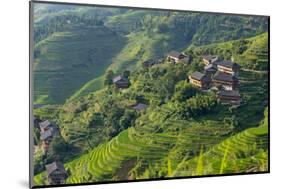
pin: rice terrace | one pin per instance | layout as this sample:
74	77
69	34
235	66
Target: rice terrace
124	94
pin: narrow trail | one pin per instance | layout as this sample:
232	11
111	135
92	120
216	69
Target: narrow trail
255	71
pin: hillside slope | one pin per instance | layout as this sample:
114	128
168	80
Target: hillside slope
165	139
66	60
129	37
245	152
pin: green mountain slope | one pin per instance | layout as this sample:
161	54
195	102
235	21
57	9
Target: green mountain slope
163	140
142	34
66	60
251	53
245	152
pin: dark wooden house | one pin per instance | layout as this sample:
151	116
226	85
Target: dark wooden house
148	63
228	67
229	97
210	59
225	80
200	80
210	69
45	125
186	59
121	82
47	136
175	56
56	173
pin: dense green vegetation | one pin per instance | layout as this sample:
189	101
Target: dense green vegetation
184	131
181	125
251	53
245	152
133	36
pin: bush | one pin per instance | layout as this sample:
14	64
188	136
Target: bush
184	91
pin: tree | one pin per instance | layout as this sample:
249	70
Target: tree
184	91
126	74
108	77
58	148
127	119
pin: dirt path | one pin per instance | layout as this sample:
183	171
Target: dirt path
255	71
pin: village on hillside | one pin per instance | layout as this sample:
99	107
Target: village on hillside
218	75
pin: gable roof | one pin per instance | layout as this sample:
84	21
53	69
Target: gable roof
140	106
228	64
221	76
232	93
46	134
210	57
210	67
55	166
186	59
174	54
197	75
49	133
119	78
45	124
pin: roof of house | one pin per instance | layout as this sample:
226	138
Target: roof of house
227	64
55	166
221	76
232	93
186	59
46	134
210	67
197	75
210	57
52	131
174	54
45	124
149	62
140	106
119	78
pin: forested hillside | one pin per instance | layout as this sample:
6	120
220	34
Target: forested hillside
133	36
182	126
156	123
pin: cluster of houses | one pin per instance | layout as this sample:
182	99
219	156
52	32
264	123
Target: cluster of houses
55	171
220	75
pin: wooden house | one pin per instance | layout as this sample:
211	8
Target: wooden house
200	80
225	80
229	97
210	69
47	136
56	173
186	59
210	59
148	63
175	56
228	67
121	82
45	125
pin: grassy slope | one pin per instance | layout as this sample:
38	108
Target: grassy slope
143	142
254	55
131	143
140	46
69	59
244	152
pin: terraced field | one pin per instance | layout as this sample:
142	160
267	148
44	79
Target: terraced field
67	60
244	152
144	141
